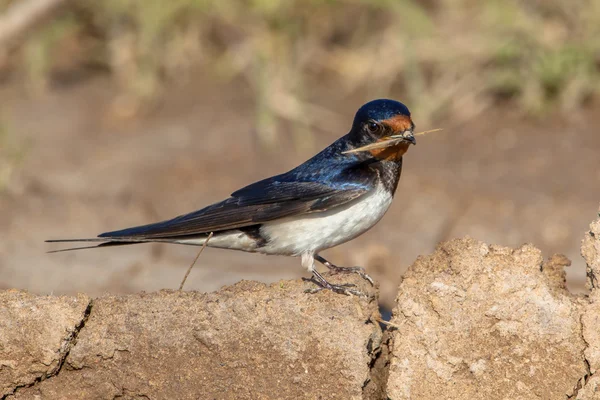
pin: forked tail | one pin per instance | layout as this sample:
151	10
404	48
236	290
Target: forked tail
106	242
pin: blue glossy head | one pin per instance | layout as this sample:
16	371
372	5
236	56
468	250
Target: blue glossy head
381	119
382	129
380	110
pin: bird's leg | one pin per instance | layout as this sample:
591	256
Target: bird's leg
344	270
308	262
322	284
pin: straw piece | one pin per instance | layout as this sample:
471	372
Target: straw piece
385	143
429	131
194	262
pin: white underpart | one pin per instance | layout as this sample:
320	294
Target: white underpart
308	234
312	233
233	240
308	261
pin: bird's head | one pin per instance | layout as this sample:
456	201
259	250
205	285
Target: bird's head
382	128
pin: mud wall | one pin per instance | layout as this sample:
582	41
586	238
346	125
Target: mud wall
472	320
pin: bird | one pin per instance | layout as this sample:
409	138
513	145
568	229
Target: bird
332	198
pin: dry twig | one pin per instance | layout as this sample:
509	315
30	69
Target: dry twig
385	143
195	259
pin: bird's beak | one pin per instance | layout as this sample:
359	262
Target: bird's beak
393	140
406	136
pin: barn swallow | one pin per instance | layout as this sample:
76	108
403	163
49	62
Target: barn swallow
332	198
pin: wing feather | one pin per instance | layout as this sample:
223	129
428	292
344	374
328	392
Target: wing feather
263	201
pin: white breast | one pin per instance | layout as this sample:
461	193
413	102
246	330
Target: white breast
312	233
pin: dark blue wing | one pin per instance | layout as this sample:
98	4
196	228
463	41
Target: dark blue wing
267	200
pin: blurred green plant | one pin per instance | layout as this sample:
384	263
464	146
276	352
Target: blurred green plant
12	153
442	57
38	52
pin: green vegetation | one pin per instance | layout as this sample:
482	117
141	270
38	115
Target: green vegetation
456	56
12	153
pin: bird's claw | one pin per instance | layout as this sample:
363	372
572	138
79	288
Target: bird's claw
351	270
337	289
340	289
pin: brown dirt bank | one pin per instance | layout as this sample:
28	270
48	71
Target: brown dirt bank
472	320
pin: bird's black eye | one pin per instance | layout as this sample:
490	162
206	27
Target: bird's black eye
373	127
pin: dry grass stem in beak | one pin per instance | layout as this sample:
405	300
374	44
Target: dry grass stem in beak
429	131
392	141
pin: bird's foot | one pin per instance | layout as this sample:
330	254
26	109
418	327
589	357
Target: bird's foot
322	284
334	269
344	270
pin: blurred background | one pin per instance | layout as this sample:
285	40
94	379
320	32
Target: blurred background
123	112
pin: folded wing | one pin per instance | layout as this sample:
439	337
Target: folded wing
263	201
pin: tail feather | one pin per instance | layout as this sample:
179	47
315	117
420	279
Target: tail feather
106	244
117	241
98	239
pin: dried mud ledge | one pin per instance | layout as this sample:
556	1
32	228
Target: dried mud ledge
473	321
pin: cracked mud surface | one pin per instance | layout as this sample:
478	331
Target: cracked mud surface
473	321
481	322
36	336
246	341
590	320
